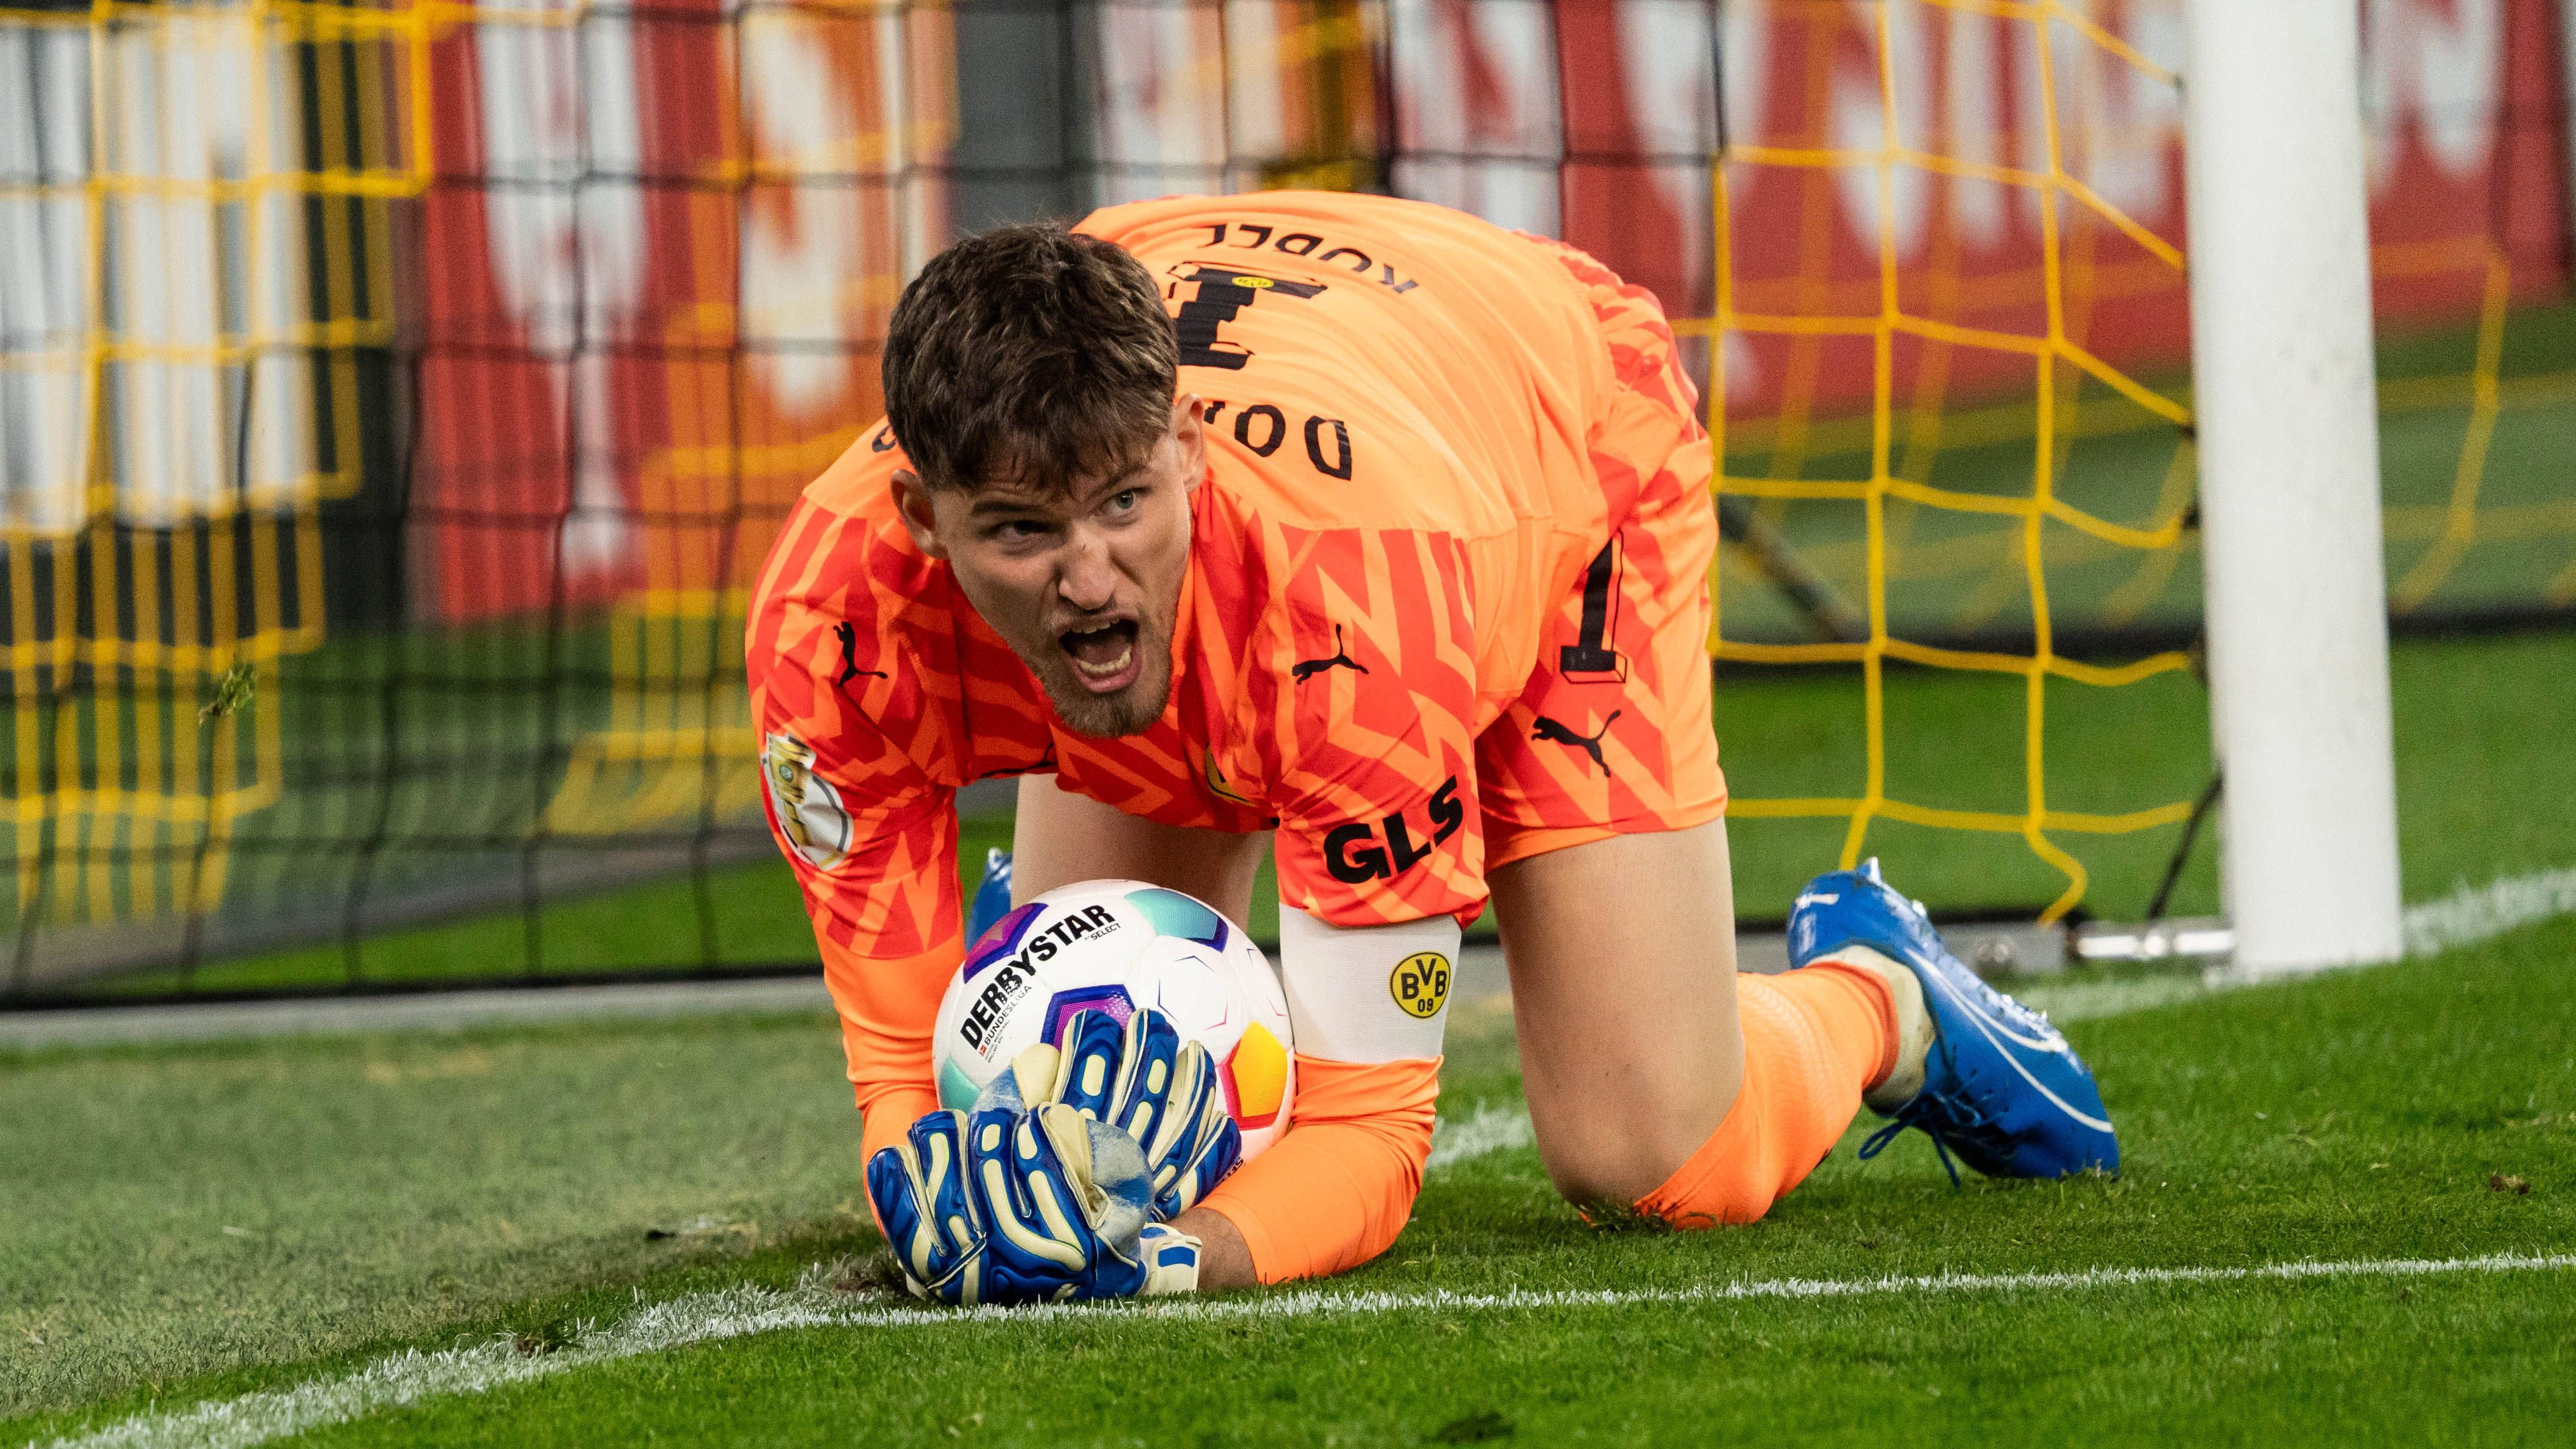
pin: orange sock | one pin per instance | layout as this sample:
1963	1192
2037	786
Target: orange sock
1814	1040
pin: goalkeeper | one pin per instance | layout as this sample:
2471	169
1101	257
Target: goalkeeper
1370	526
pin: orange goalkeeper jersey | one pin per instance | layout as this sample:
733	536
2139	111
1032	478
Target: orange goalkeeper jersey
1406	484
1398	500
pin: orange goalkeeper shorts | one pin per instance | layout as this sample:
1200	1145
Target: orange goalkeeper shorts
1613	734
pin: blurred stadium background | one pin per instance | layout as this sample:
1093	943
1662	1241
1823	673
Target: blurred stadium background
397	401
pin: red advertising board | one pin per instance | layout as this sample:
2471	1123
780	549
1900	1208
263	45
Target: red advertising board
657	256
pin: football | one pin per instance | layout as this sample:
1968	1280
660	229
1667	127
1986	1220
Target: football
1116	946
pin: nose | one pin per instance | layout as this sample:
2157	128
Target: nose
1087	579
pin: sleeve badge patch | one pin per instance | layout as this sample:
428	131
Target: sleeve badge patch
808	810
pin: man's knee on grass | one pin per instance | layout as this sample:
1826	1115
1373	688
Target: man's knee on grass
1608	1160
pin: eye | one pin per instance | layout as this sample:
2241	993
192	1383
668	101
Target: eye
1125	500
1017	530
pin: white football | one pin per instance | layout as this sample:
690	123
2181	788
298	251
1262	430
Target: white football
1114	946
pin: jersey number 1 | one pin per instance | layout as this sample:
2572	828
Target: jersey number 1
1590	659
1224	291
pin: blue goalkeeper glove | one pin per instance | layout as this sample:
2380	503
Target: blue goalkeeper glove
1141	1078
1011	1203
930	1217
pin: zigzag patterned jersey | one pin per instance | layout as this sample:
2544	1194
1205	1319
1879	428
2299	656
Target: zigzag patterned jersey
1408	486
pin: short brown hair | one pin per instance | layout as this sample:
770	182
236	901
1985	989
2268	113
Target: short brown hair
1031	352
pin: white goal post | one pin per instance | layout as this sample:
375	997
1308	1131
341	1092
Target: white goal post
2286	404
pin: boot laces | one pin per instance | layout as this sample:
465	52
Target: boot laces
1877	1141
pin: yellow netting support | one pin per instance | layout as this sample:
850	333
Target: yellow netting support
2460	518
2058	363
2442	537
207	257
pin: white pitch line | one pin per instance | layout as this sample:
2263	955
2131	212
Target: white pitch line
2471	914
414	1377
1492	1129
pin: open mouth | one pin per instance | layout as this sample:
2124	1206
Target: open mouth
1104	659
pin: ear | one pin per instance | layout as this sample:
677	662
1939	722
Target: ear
912	500
1191	434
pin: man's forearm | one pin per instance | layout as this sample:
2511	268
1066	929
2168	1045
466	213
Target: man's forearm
1225	1260
1336	1190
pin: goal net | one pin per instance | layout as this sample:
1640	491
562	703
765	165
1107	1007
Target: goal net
397	399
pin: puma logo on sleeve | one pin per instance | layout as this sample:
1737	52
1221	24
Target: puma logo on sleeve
848	634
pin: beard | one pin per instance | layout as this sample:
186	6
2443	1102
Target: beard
1128	711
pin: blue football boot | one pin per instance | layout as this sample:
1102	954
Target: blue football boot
2001	1088
992	898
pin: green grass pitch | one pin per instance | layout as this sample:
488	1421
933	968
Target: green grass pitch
194	1225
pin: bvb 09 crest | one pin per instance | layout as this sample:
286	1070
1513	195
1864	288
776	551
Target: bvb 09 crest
1420	984
805	805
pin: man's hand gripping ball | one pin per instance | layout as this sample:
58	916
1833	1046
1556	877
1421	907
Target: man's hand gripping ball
1060	1180
1143	1079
